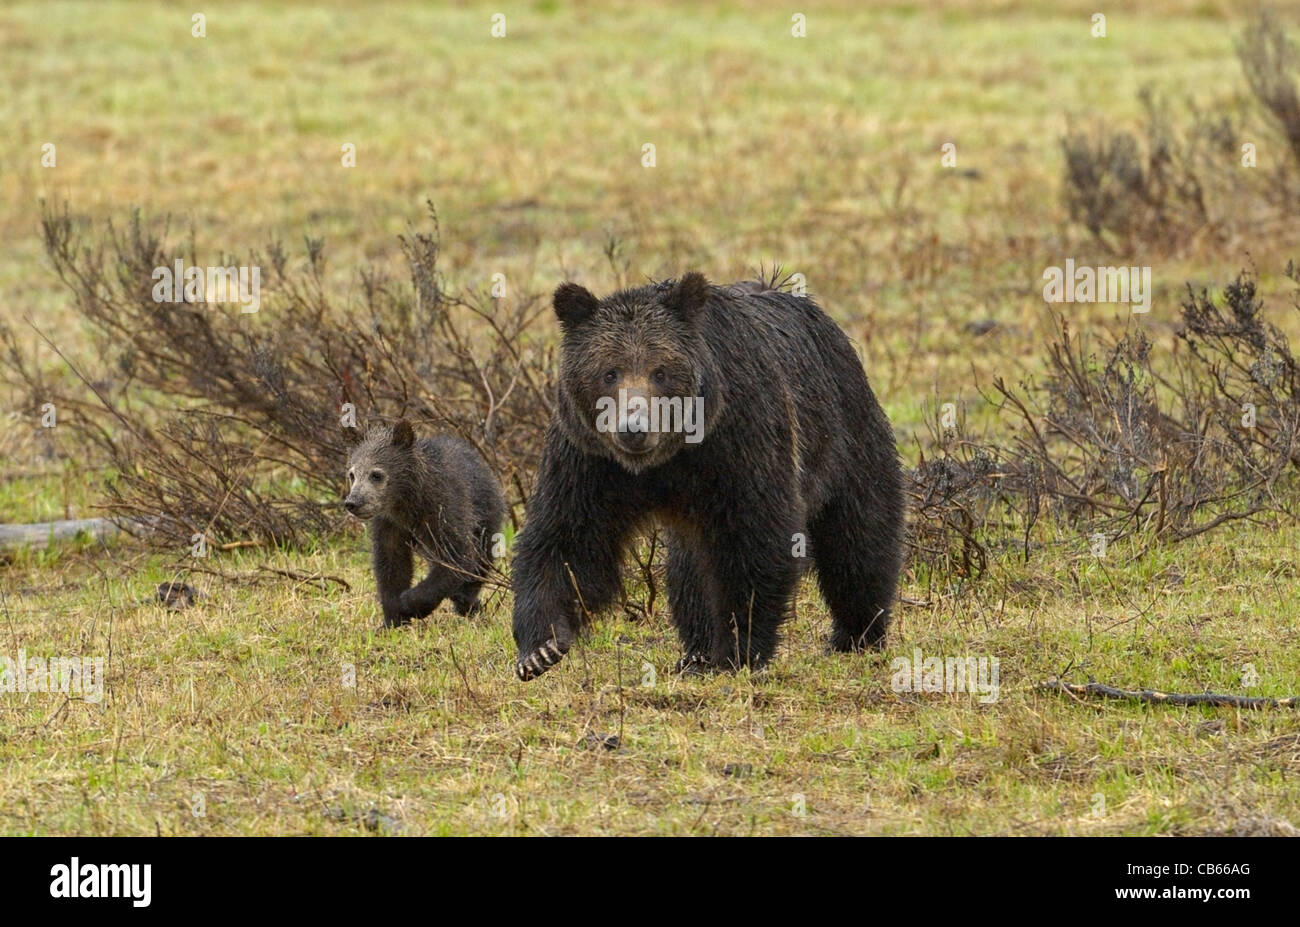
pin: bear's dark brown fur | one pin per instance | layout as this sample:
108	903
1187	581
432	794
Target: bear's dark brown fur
790	454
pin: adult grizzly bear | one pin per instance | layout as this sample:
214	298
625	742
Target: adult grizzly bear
434	497
769	446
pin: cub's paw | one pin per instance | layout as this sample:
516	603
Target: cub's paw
694	664
539	661
412	605
468	609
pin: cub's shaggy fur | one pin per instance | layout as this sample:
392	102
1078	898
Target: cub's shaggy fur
434	497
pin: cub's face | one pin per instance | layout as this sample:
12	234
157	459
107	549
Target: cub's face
630	374
377	467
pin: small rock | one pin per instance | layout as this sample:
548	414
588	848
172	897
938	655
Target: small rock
1264	826
177	595
981	326
593	740
373	820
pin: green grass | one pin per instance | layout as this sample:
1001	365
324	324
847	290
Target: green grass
240	703
769	149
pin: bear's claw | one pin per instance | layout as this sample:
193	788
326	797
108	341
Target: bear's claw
539	661
693	664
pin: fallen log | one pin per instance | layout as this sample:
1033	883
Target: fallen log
43	533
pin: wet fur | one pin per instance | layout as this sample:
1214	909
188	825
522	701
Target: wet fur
795	443
439	501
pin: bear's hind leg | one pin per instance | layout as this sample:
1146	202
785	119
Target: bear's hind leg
465	599
857	552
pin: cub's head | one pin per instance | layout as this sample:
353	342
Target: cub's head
381	470
635	371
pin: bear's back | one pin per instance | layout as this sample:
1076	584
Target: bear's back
788	337
775	345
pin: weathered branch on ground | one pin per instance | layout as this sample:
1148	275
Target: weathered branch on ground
1218	699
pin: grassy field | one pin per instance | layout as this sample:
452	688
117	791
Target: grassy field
272	706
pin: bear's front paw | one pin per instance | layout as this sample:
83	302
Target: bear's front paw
539	661
694	664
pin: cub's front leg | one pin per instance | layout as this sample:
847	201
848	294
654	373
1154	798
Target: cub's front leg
391	560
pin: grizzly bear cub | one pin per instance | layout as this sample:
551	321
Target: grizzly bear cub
740	418
434	497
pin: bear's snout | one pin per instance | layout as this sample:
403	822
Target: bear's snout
634	442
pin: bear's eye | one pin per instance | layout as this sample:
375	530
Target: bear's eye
376	476
660	375
611	375
352	476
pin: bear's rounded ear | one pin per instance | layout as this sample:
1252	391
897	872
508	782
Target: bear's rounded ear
688	295
403	434
351	436
574	304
